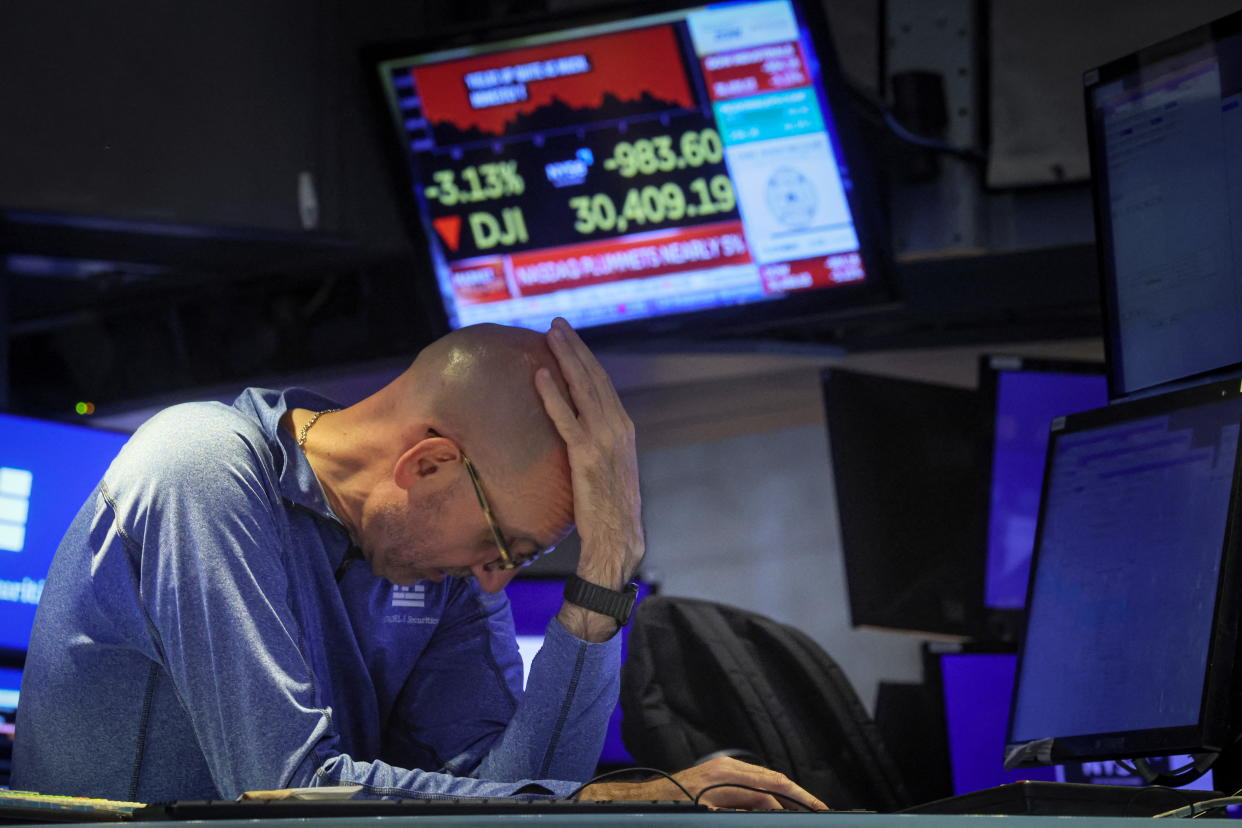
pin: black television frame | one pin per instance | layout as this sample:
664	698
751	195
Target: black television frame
1219	724
934	587
1003	625
1126	66
859	168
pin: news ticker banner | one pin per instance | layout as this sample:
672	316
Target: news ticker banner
538	272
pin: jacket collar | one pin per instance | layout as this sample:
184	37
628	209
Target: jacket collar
296	478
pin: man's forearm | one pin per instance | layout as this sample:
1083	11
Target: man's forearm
561	720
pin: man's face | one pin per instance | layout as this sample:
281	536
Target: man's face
411	536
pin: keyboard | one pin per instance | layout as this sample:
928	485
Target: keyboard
461	806
27	806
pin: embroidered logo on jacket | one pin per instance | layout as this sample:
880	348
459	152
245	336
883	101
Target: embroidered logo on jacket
414	595
410	597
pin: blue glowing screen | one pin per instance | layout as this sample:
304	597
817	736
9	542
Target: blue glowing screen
1026	403
47	469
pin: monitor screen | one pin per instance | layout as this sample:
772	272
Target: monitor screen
1164	126
905	462
674	166
1133	610
47	470
535	599
1025	395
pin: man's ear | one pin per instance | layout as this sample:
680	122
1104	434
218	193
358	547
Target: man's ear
429	464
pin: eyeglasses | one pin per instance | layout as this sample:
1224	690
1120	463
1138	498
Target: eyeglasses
507	559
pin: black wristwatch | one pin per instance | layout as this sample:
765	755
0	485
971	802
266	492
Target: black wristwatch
610	602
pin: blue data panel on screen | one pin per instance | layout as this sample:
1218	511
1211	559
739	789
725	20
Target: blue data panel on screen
47	470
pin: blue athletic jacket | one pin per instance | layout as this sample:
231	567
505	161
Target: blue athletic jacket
198	637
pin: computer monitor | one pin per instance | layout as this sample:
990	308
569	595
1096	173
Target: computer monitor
976	687
535	599
1024	395
47	470
649	168
905	462
1164	125
1135	599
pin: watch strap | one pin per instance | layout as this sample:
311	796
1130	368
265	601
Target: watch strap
616	604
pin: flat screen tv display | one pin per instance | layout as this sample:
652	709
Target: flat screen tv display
905	461
665	168
47	470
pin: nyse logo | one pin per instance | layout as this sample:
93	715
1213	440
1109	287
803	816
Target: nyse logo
409	596
15	487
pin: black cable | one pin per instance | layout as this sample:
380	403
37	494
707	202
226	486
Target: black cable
1143	790
1199	808
1197	767
797	802
626	772
903	134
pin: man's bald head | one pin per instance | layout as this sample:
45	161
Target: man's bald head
477	386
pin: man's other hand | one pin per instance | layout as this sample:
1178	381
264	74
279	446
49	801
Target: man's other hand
724	771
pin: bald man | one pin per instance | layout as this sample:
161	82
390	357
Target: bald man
285	593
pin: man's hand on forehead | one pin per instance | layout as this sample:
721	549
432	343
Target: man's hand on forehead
603	463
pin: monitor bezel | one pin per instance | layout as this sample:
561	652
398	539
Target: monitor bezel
864	611
1217	726
1003	624
871	224
1119	69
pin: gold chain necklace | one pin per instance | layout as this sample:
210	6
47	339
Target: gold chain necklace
311	422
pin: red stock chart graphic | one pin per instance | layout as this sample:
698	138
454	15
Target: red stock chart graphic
552	87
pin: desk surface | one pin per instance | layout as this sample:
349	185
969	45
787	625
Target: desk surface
841	819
